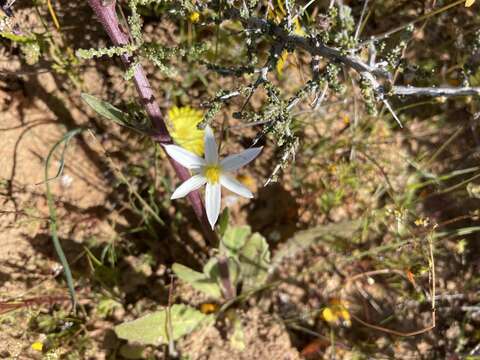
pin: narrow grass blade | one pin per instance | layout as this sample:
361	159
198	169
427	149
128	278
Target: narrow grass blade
53	214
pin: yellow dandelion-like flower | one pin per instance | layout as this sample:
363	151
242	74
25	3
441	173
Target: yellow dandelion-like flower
337	313
469	3
37	346
194	17
183	128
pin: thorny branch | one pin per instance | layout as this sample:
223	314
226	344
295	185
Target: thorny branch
374	71
374	75
436	92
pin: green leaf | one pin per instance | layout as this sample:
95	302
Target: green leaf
53	213
151	329
234	239
110	112
211	269
254	260
21	39
234	271
201	282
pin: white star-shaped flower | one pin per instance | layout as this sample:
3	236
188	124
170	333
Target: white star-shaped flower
211	171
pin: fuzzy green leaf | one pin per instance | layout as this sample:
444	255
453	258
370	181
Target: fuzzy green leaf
254	260
234	239
107	110
201	282
112	113
151	329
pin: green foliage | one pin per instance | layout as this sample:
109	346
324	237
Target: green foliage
200	281
139	49
152	329
248	261
227	64
114	114
106	109
31	46
368	94
106	275
21	39
343	26
106	306
234	239
110	52
53	213
254	259
58	328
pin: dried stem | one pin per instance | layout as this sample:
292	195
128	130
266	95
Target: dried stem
374	71
108	18
435	91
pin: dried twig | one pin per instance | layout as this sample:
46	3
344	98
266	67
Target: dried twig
431	263
435	92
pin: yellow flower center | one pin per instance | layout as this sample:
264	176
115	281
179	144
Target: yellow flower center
212	173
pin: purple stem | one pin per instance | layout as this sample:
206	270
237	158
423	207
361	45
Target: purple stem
108	18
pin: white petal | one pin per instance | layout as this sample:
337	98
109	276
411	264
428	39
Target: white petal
184	157
191	184
235	186
234	162
211	149
213	197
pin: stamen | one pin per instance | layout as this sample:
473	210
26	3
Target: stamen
212	173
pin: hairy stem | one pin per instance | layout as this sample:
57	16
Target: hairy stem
108	18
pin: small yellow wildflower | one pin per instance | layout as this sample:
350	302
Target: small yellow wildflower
194	17
277	13
209	308
37	346
183	128
469	3
332	168
337	313
422	222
